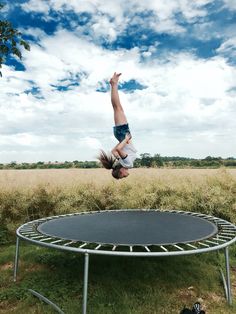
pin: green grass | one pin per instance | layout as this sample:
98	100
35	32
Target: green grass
116	284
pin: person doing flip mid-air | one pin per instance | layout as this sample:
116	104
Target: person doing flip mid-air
123	154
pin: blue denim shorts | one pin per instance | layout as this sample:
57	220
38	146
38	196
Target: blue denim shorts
120	131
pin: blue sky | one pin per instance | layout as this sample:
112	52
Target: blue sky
178	82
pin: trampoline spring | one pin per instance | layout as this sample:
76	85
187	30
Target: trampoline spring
147	249
37	237
46	239
131	249
212	242
203	244
192	246
178	247
218	239
164	249
30	235
82	245
224	237
227	225
26	229
228	233
57	241
114	247
229	229
210	218
69	243
98	247
184	213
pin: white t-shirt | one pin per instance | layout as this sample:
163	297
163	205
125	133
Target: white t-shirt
128	162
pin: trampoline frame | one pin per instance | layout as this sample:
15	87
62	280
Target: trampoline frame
225	236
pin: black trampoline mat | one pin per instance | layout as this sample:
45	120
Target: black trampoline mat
130	228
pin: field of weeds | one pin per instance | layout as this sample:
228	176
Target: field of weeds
124	285
31	194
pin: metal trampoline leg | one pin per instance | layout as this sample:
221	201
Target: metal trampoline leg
85	294
229	297
16	258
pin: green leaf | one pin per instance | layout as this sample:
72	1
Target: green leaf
16	52
25	44
10	38
4	49
13	43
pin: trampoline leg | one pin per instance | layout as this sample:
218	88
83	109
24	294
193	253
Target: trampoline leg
85	294
16	258
229	297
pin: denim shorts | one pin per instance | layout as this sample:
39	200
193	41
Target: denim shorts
120	131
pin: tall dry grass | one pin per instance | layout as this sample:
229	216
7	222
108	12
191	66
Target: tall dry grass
31	194
28	179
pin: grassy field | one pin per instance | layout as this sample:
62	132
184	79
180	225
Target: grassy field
116	284
28	179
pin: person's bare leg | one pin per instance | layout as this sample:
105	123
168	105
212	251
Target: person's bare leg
119	115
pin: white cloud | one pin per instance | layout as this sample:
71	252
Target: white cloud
36	6
230	4
228	47
104	28
111	18
91	142
181	112
35	32
172	107
205	31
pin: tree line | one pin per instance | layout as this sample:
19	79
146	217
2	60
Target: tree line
145	160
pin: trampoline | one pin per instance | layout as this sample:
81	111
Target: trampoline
131	233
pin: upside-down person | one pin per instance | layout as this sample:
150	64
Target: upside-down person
122	156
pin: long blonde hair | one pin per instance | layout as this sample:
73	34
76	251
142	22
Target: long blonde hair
109	162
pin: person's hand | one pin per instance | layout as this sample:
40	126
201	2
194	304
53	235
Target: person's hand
115	78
